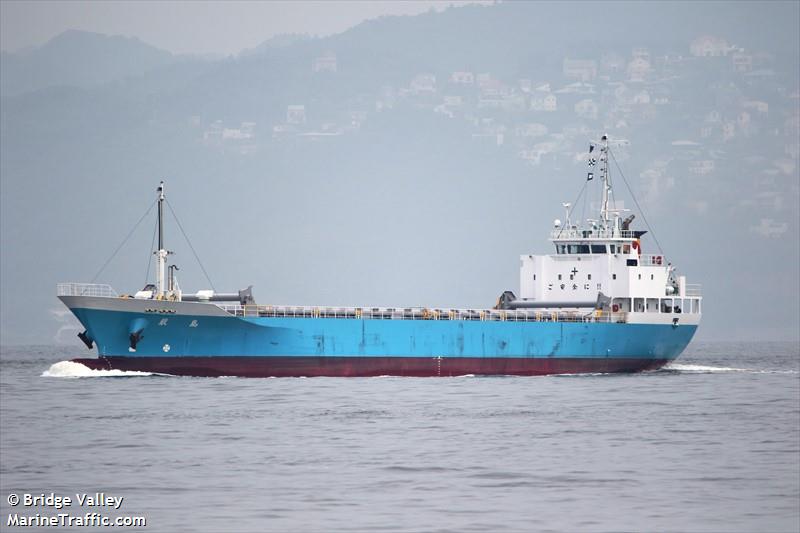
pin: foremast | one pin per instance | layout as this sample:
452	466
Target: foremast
161	253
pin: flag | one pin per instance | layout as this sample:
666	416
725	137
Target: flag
591	147
592	161
589	176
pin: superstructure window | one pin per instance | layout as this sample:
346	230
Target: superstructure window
589	277
613	248
574	249
559	277
613	276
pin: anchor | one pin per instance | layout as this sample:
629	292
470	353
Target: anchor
87	340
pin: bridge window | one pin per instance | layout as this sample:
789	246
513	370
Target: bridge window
578	248
561	249
598	248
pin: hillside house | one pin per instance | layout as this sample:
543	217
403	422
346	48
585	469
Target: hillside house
423	84
462	78
641	97
757	106
532	130
580	69
742	62
586	108
728	130
709	46
325	63
770	228
547	103
641	52
638	70
702	167
296	114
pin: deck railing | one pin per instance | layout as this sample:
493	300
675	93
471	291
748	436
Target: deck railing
590	234
418	313
86	289
694	289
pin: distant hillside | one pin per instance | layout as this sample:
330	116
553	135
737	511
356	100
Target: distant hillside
279	41
78	58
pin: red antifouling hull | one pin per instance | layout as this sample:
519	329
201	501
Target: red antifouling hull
310	366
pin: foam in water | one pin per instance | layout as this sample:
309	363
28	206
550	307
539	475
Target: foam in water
702	369
71	369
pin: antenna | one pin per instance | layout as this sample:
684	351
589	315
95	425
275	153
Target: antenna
566	207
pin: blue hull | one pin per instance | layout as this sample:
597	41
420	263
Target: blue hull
230	345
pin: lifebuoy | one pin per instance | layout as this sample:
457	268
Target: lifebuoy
615	308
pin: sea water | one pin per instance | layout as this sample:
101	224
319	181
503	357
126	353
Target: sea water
710	443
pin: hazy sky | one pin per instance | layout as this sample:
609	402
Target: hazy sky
194	27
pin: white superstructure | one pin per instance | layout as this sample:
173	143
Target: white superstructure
600	262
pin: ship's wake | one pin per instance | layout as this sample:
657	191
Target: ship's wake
706	369
702	369
71	369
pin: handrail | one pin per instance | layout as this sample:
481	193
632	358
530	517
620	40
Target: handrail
86	289
694	289
591	234
419	313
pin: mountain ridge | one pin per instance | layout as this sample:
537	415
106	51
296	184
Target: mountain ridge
78	58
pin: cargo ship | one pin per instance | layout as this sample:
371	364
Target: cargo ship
595	304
